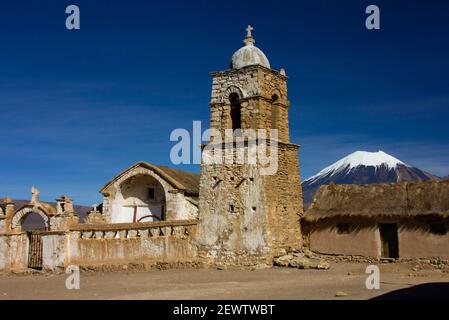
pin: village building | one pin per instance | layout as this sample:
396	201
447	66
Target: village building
146	193
401	220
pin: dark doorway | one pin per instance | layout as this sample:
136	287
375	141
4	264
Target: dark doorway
389	240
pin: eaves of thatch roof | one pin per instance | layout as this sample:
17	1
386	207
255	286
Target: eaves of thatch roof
399	200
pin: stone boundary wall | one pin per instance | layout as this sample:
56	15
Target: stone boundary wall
96	245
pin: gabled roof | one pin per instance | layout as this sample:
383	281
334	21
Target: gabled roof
181	180
400	200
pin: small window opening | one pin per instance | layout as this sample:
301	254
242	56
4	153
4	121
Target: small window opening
438	228
231	208
235	111
343	228
151	193
274	111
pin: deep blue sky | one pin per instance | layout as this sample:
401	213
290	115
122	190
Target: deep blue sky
77	107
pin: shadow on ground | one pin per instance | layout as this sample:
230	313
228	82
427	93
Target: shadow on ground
426	291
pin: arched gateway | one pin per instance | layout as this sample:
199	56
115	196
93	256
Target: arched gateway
21	215
34	237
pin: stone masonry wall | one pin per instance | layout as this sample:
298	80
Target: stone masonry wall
256	87
245	217
283	199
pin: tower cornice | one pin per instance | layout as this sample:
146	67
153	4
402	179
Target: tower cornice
249	68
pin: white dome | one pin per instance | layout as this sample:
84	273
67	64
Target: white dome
249	55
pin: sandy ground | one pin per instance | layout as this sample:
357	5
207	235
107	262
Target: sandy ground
273	283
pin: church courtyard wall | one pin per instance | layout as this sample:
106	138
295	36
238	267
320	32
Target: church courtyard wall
91	246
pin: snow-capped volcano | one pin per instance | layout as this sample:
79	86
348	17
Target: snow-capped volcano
356	159
362	167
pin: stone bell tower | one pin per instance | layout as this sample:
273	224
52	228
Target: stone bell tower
247	217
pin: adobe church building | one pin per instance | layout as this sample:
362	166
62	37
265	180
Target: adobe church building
158	216
402	220
146	193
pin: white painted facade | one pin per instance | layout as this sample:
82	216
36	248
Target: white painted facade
145	193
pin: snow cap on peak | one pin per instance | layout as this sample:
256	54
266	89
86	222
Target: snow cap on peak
374	159
360	158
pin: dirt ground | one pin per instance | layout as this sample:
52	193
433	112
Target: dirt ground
272	284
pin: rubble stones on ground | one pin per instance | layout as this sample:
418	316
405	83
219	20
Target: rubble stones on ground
302	260
341	294
283	261
437	263
301	263
323	265
306	259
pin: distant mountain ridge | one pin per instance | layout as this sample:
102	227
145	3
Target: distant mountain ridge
362	167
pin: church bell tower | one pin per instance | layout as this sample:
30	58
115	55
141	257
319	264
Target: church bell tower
247	217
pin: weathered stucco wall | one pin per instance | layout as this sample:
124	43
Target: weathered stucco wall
364	240
152	242
232	228
135	192
54	250
94	245
132	189
414	239
13	251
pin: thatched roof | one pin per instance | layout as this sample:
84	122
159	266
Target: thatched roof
181	180
428	198
190	181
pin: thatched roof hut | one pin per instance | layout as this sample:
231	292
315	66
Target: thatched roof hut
399	200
